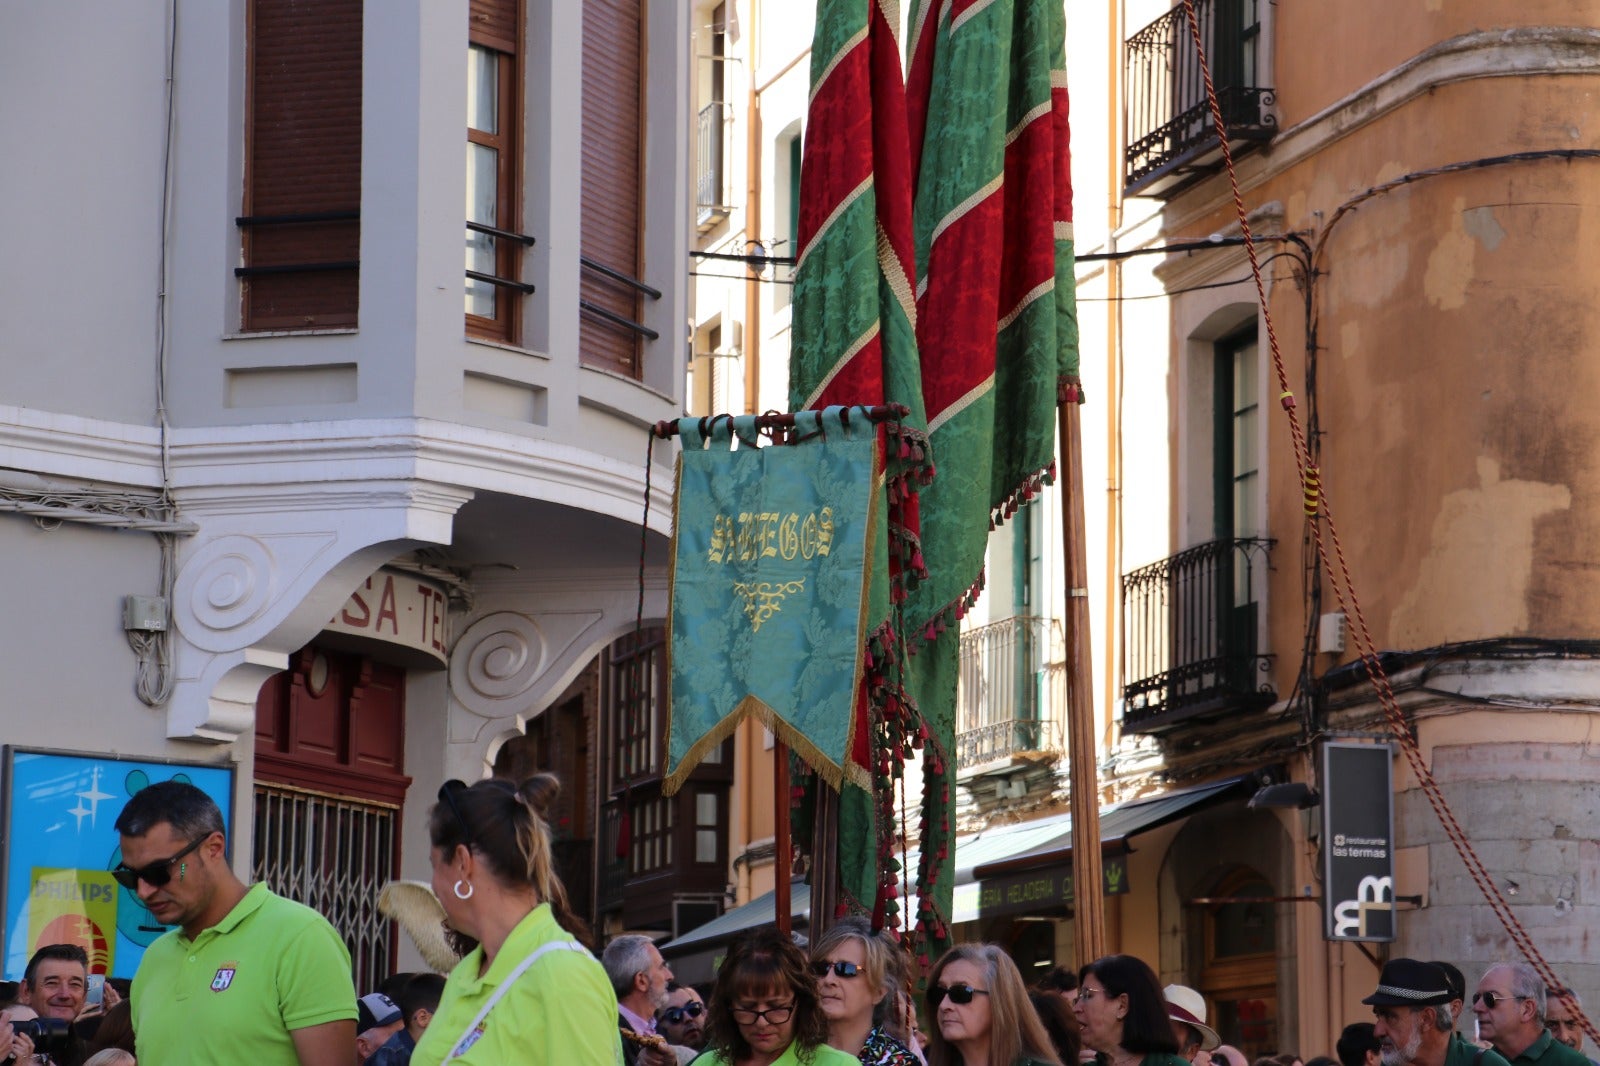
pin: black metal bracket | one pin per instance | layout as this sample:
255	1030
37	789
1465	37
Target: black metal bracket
618	320
503	234
295	268
504	283
619	276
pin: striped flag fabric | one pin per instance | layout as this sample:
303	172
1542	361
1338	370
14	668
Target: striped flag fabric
854	342
935	269
996	326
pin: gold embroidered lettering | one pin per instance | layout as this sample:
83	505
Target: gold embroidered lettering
788	538
721	538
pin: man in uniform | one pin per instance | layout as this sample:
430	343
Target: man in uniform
1561	1008
247	975
1510	1005
1411	1008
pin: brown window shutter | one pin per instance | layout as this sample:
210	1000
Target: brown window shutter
494	23
613	129
303	157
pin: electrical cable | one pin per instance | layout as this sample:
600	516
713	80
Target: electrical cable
153	676
1316	507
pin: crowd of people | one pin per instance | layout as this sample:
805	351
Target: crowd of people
249	977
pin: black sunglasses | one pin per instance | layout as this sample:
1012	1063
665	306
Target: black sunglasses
676	1015
960	994
1492	999
447	795
839	967
155	874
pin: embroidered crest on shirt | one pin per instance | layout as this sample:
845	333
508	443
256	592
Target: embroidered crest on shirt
468	1040
224	976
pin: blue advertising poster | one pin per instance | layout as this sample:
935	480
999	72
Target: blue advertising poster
61	847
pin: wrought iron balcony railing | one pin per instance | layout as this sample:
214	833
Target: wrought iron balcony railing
1190	641
713	198
1012	691
1171	133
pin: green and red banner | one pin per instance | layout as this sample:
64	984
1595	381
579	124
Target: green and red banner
960	180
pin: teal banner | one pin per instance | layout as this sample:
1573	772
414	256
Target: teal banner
774	553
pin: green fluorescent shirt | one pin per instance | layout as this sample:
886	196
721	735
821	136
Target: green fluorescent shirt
233	994
561	1010
1547	1051
822	1056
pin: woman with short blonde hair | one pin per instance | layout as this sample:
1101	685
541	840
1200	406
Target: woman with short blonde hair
858	974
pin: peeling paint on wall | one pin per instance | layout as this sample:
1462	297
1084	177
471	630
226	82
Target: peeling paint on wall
1452	264
1481	223
1474	580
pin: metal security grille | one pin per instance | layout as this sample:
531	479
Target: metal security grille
332	853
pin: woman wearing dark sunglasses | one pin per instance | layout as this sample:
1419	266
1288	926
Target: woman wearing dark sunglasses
529	992
856	970
1122	1014
764	1010
980	1014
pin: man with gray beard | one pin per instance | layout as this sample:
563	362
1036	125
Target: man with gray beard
1413	1023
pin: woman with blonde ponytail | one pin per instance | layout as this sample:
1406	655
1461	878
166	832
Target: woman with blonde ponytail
530	992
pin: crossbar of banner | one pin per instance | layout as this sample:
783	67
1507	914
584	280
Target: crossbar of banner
785	420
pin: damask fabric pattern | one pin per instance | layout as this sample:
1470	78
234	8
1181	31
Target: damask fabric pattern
881	1049
777	557
996	322
854	342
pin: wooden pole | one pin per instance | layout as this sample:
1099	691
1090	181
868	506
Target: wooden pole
824	861
1089	902
780	834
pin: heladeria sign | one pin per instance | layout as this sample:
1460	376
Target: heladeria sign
1358	841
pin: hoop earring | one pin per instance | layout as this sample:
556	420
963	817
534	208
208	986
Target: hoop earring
456	888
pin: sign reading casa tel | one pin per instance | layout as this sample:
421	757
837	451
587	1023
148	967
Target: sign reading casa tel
398	608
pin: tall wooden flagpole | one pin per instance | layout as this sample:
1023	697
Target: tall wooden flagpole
1088	901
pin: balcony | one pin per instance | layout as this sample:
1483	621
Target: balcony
1011	698
1190	635
1170	131
712	196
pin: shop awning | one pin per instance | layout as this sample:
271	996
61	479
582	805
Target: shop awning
1121	823
996	854
693	955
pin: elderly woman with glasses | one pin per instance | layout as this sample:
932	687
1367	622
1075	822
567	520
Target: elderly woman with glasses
529	992
980	1013
1122	1014
856	971
764	1009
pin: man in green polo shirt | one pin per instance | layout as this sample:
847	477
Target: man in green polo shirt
247	976
1510	1005
1413	1022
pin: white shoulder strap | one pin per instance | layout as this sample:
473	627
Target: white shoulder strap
466	1041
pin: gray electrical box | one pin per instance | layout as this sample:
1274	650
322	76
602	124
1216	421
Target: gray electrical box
144	613
1331	631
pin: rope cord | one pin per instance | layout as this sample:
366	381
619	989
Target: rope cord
1316	505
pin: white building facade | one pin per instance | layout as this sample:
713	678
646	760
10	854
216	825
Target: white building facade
464	452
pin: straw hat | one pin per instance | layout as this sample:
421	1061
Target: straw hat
1186	1005
418	911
